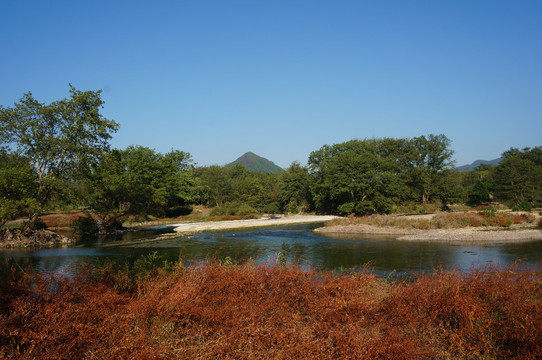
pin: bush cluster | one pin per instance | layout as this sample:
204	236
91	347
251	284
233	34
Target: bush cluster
239	210
226	310
84	225
524	206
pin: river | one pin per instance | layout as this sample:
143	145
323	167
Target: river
383	255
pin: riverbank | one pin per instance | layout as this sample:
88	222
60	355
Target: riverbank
405	228
271	220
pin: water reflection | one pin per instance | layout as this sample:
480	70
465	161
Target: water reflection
296	243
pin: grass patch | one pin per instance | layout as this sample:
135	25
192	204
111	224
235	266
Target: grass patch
440	221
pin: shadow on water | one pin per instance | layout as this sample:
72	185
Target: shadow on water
293	243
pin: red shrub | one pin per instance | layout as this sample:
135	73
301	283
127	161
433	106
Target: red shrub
247	311
60	219
475	220
488	313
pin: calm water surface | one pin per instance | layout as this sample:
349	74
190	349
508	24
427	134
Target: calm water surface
384	254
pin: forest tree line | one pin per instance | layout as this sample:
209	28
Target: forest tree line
57	156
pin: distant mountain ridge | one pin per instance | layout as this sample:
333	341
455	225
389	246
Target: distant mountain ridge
471	167
256	163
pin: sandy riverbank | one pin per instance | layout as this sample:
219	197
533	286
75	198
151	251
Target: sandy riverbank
235	224
479	234
485	234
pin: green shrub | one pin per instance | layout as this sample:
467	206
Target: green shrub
247	212
293	207
147	265
346	208
243	211
490	212
365	207
38	224
524	206
272	208
84	225
179	211
224	209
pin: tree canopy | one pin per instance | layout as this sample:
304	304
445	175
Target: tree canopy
52	143
56	138
518	177
372	175
139	181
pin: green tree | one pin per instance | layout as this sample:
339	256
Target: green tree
295	188
57	138
216	186
139	181
111	193
179	185
372	175
247	186
479	184
353	177
18	187
234	185
482	191
429	157
271	193
448	188
518	177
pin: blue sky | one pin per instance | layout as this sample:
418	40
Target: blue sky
283	78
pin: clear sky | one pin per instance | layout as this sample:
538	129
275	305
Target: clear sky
283	78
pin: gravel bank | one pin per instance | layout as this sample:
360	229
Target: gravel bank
476	234
479	234
487	234
366	229
235	224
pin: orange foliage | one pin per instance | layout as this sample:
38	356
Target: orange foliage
248	311
56	220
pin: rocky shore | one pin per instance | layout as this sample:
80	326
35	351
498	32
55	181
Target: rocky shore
13	238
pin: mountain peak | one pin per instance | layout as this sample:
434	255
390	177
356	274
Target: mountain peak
253	162
470	167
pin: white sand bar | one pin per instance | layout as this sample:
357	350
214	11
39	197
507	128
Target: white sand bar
265	221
